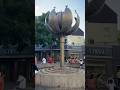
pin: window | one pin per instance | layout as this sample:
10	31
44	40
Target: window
91	41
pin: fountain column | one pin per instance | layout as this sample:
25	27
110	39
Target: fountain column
62	51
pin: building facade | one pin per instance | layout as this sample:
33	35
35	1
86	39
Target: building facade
101	42
13	62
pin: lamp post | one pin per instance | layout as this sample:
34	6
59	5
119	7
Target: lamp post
60	24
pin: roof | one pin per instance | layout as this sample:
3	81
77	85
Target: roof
79	32
105	15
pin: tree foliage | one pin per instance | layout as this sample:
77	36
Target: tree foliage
17	23
42	35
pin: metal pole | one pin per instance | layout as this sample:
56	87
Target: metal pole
62	51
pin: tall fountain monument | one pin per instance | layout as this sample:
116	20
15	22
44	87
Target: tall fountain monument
60	24
64	78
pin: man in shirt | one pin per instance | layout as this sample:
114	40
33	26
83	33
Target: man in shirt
44	61
22	82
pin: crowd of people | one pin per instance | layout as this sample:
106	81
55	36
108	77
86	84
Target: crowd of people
48	59
71	60
94	82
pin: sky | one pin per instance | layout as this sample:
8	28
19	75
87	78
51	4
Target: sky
43	6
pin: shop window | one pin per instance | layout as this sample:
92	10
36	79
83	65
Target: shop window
91	41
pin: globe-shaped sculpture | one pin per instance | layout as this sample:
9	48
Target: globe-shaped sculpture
60	23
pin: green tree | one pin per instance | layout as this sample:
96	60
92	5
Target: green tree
17	23
42	35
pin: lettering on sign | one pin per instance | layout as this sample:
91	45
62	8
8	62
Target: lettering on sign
98	51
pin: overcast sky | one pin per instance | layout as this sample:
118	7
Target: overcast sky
42	6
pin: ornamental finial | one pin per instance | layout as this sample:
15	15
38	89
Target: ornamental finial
66	6
54	7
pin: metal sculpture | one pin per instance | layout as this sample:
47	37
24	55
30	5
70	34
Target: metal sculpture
60	24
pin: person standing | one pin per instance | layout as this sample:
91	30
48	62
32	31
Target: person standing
1	81
81	63
68	60
36	60
118	77
111	84
21	82
50	61
44	60
91	83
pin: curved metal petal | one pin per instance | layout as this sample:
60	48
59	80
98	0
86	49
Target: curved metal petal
61	23
66	19
48	26
76	26
59	17
53	21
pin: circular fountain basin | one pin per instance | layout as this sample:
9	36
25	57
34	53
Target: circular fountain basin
67	77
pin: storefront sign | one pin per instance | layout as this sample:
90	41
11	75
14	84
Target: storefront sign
14	51
98	51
